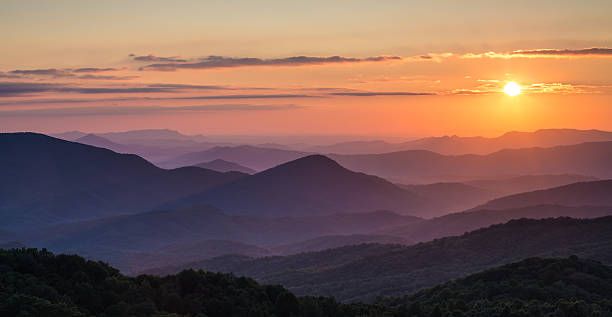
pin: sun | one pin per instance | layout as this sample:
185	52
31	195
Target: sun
512	89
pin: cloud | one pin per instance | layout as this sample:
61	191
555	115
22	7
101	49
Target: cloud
246	96
152	58
52	72
191	87
18	88
29	88
93	70
106	77
79	73
211	62
139	110
564	52
21	88
381	93
488	86
545	53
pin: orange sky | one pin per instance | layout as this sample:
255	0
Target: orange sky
397	68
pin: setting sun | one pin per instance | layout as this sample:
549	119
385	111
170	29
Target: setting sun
512	89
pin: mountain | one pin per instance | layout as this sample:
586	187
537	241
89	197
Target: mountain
456	145
358	147
135	242
220	165
335	241
414	167
527	183
155	145
531	287
98	141
596	193
136	136
401	270
257	158
462	222
54	181
451	197
309	186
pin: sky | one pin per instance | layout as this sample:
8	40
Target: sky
336	67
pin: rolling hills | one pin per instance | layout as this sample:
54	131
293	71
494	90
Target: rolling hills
457	145
419	166
402	270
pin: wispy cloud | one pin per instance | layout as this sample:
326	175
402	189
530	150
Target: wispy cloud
78	73
35	88
23	88
140	110
93	70
381	93
52	72
493	86
152	58
545	53
211	62
566	52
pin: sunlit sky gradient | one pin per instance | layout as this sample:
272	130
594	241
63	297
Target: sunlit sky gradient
378	68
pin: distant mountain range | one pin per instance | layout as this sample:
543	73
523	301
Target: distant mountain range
527	183
257	158
456	145
462	222
366	271
53	180
596	193
154	145
220	165
410	167
172	149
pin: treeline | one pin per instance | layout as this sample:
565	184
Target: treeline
38	283
533	287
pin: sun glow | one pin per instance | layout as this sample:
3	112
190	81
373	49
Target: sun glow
512	89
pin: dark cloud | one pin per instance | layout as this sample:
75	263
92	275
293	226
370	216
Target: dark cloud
563	52
246	96
381	93
113	90
93	70
190	87
22	88
228	62
106	77
53	72
17	88
80	73
152	58
28	88
139	110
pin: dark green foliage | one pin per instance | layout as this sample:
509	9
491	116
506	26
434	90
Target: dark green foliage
39	283
533	287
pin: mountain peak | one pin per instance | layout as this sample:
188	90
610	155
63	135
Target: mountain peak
317	161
